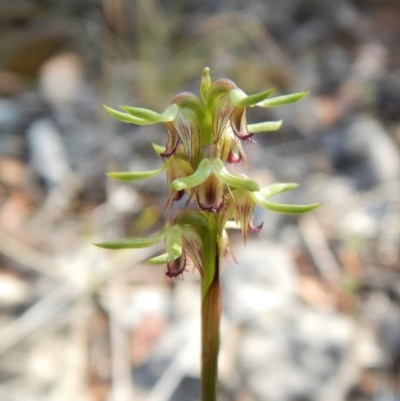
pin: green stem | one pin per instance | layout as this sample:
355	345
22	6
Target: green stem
210	312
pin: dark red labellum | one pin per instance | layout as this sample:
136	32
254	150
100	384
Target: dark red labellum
176	268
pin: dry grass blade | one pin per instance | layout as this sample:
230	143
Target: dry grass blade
34	317
28	256
318	247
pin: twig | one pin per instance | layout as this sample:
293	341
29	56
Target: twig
318	247
177	369
28	256
120	361
43	310
58	299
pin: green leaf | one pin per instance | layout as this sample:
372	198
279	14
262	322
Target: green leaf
282	208
135	243
135	175
239	98
199	176
265	126
276	189
282	100
232	180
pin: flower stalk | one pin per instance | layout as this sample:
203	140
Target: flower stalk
204	134
210	312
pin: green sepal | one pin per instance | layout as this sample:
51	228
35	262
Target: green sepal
198	177
134	243
265	126
194	218
218	88
165	258
282	100
151	117
205	83
232	180
173	245
135	175
187	100
240	99
282	208
170	112
276	189
125	117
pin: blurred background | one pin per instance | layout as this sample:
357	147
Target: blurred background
311	306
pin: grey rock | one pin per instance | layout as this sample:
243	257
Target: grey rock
48	154
368	137
286	350
305	355
10	115
61	79
262	280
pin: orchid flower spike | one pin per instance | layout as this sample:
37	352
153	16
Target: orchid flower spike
203	135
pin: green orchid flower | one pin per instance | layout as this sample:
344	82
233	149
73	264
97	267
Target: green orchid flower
243	203
182	236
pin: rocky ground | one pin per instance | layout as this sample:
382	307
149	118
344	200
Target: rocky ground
311	306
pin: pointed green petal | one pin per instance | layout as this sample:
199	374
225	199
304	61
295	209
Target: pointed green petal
240	99
198	177
125	117
265	127
276	189
128	243
282	100
232	180
135	175
282	208
151	117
